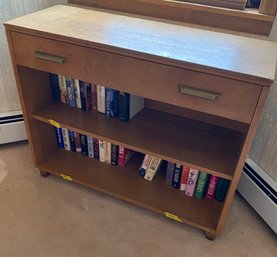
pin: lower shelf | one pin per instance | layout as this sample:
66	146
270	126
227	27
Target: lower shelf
125	184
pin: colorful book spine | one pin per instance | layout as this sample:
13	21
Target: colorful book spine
54	82
59	135
192	181
84	145
90	147
72	140
108	152
101	99
70	92
221	189
153	168
96	148
83	95
111	102
184	178
145	165
114	154
77	93
177	176
169	173
66	139
211	187
77	142
94	97
88	96
62	86
124	154
102	151
203	179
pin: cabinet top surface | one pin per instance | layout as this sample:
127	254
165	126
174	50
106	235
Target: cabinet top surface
236	56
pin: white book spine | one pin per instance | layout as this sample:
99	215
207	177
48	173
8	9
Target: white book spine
108	152
63	90
66	140
102	152
90	147
136	105
101	99
153	168
77	93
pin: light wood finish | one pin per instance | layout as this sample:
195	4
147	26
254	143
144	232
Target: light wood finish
210	52
181	131
268	7
243	21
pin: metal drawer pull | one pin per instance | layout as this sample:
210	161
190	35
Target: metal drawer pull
50	57
208	95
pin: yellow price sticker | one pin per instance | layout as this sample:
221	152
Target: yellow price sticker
172	216
55	124
66	177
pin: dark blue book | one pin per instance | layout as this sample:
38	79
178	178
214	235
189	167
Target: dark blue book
177	174
114	154
72	140
84	145
54	81
59	135
221	189
111	102
70	92
124	106
83	95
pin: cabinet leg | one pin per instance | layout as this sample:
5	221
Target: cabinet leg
43	173
209	235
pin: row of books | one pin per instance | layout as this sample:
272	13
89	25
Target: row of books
196	183
93	147
91	97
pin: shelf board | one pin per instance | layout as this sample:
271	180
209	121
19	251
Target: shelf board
125	184
167	136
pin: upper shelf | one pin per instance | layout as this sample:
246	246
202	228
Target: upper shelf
222	54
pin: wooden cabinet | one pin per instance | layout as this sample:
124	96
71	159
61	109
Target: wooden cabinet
204	92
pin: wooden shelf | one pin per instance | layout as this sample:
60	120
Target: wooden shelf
167	136
125	184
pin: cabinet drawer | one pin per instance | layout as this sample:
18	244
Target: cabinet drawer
190	89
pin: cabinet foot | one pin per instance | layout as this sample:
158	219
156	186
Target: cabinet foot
43	173
209	235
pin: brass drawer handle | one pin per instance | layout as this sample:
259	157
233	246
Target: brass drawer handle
50	57
201	93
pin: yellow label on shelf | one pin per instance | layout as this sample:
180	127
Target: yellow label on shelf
172	216
54	123
66	177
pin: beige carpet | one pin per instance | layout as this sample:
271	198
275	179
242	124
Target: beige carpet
41	217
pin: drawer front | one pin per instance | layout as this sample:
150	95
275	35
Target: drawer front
190	89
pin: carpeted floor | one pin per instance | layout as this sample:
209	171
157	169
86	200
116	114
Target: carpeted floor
50	217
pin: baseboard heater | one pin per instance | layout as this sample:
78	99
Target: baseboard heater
12	127
259	190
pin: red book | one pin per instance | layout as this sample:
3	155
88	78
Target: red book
184	178
212	187
124	154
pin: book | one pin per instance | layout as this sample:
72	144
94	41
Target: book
96	148
111	102
54	82
129	105
94	97
192	181
84	144
177	174
72	140
88	96
114	154
77	142
70	92
83	95
101	99
77	93
66	139
63	90
90	147
203	179
108	152
59	135
145	164
153	168
211	187
124	154
184	178
169	172
221	189
102	150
